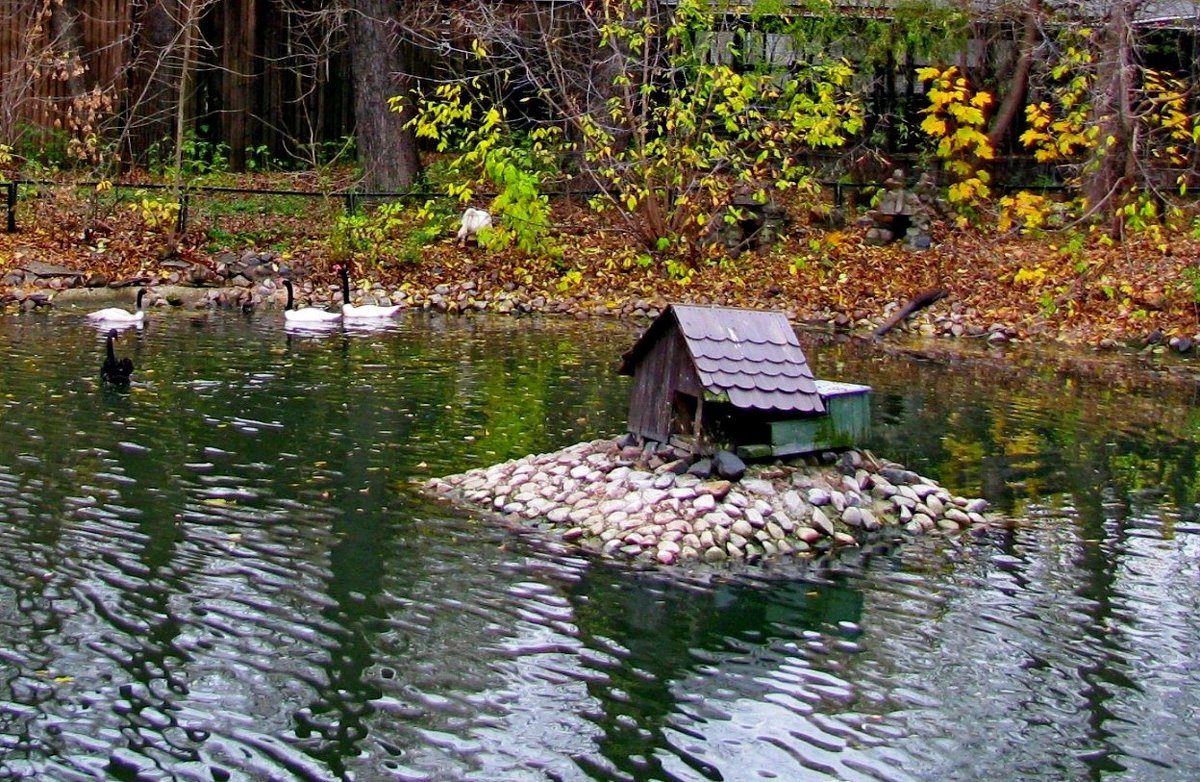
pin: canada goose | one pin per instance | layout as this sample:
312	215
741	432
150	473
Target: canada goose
116	315
113	370
366	311
306	315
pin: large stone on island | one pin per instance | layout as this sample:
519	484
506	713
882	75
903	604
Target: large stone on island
728	466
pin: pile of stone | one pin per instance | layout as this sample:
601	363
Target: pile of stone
649	504
903	213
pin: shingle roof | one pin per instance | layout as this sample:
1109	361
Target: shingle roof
751	356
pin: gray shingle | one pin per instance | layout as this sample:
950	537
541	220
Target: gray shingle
751	356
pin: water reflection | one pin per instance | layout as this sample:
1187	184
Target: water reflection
224	572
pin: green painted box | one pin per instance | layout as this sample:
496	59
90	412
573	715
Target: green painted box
847	422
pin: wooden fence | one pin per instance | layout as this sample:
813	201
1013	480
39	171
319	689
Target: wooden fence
259	79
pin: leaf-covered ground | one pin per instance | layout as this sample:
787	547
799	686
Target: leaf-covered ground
1051	288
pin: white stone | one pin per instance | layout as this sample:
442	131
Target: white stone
653	496
717	519
737	500
822	522
758	486
882	487
808	534
640	478
957	516
923	490
869	521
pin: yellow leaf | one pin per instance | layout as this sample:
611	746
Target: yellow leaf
934	126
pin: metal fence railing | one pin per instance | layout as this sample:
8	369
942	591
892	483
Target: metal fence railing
353	199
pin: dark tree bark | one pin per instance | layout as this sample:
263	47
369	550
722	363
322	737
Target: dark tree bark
149	100
383	68
238	42
64	24
1111	172
1014	101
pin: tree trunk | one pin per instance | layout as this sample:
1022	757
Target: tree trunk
65	36
1114	159
1014	101
149	100
239	36
382	68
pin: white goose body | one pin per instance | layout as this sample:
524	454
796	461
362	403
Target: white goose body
365	311
118	316
307	315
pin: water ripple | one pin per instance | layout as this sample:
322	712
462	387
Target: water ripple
223	574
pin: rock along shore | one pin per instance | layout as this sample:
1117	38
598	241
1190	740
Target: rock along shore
641	504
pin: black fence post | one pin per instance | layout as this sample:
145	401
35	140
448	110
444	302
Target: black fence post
11	199
351	202
181	220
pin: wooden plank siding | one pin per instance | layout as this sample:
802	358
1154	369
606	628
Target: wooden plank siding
665	370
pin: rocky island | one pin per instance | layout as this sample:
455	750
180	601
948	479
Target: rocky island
653	504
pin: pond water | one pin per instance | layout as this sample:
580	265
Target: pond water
224	572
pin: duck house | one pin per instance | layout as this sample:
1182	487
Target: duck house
707	378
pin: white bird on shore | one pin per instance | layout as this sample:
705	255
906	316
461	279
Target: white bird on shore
365	311
307	315
473	221
116	316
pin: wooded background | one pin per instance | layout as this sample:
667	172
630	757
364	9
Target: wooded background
294	80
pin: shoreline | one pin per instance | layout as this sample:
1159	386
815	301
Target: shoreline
255	283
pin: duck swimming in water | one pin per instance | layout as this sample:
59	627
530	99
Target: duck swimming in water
307	315
117	316
113	370
365	311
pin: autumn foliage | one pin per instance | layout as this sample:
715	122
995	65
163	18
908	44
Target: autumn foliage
673	127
